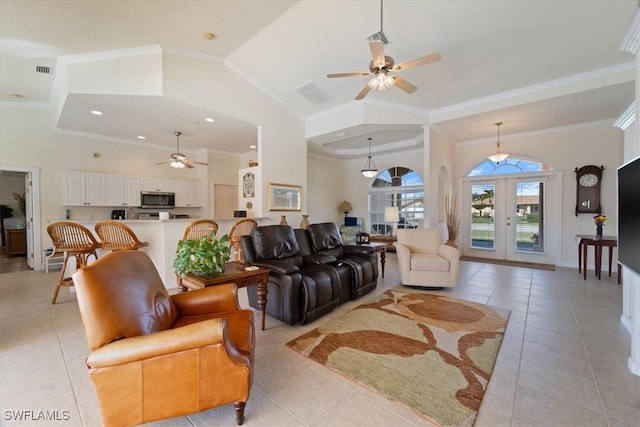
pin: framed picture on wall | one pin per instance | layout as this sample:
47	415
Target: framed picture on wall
285	197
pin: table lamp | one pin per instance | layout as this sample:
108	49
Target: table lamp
391	215
345	207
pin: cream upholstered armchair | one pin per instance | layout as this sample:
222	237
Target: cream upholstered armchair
424	261
154	355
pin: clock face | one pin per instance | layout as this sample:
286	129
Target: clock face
588	180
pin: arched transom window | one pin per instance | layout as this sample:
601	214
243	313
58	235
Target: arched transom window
511	165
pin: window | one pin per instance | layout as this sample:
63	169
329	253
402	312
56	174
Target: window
396	186
510	166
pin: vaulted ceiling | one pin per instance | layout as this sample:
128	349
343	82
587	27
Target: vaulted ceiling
530	64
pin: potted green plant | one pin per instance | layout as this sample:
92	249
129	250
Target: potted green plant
203	256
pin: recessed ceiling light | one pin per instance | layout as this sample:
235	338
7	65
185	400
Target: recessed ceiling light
209	36
252	146
96	112
209	119
15	95
141	137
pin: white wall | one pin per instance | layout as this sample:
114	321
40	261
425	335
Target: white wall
28	137
326	190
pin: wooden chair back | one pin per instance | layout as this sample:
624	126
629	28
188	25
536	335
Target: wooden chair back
200	228
242	227
116	236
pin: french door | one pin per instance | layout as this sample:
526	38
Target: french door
513	218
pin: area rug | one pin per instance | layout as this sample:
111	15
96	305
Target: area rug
431	353
548	267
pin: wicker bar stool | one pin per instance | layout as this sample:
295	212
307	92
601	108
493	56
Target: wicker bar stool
116	236
241	228
75	241
200	228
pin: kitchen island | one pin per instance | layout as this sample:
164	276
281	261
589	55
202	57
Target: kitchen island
163	237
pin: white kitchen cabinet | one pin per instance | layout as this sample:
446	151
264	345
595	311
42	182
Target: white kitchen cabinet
156	184
188	193
122	190
84	189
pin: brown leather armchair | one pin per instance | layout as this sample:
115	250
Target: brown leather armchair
155	356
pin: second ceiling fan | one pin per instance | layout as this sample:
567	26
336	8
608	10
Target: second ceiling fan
179	160
381	66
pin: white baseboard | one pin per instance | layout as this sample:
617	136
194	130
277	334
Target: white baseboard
626	323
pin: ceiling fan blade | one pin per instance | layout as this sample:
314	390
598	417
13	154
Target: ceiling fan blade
198	163
187	164
363	92
429	59
358	73
162	163
404	85
377	53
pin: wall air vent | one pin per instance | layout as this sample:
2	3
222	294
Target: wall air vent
43	70
313	92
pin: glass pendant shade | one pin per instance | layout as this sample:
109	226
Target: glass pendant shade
498	156
369	170
381	82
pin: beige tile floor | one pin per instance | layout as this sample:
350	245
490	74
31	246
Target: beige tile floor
562	362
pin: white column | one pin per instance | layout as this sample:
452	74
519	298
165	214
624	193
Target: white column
630	318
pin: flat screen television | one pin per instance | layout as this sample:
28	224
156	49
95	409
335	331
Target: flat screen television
629	215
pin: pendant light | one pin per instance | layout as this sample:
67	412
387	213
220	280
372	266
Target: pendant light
369	170
498	156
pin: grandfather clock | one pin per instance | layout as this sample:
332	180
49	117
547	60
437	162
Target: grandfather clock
588	186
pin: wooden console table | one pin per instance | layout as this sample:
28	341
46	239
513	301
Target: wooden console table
234	272
384	238
586	240
381	248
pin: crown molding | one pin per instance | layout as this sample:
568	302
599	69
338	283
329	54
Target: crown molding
627	117
503	137
631	40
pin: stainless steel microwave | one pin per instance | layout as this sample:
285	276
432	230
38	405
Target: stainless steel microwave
157	200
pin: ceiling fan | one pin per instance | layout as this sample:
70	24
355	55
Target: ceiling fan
381	65
179	160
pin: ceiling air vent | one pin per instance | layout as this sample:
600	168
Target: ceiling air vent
378	37
42	69
313	92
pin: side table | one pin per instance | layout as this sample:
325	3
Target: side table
586	240
384	238
234	272
381	248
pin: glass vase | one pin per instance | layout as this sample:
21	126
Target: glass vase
305	221
598	231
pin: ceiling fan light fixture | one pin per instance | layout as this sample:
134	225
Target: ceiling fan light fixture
381	82
369	170
177	164
498	156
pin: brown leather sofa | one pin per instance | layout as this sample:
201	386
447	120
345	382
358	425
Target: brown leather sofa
155	356
306	282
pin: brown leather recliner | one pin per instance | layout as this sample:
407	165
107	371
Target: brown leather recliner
155	356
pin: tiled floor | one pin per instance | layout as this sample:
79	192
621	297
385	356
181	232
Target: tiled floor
562	363
13	263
